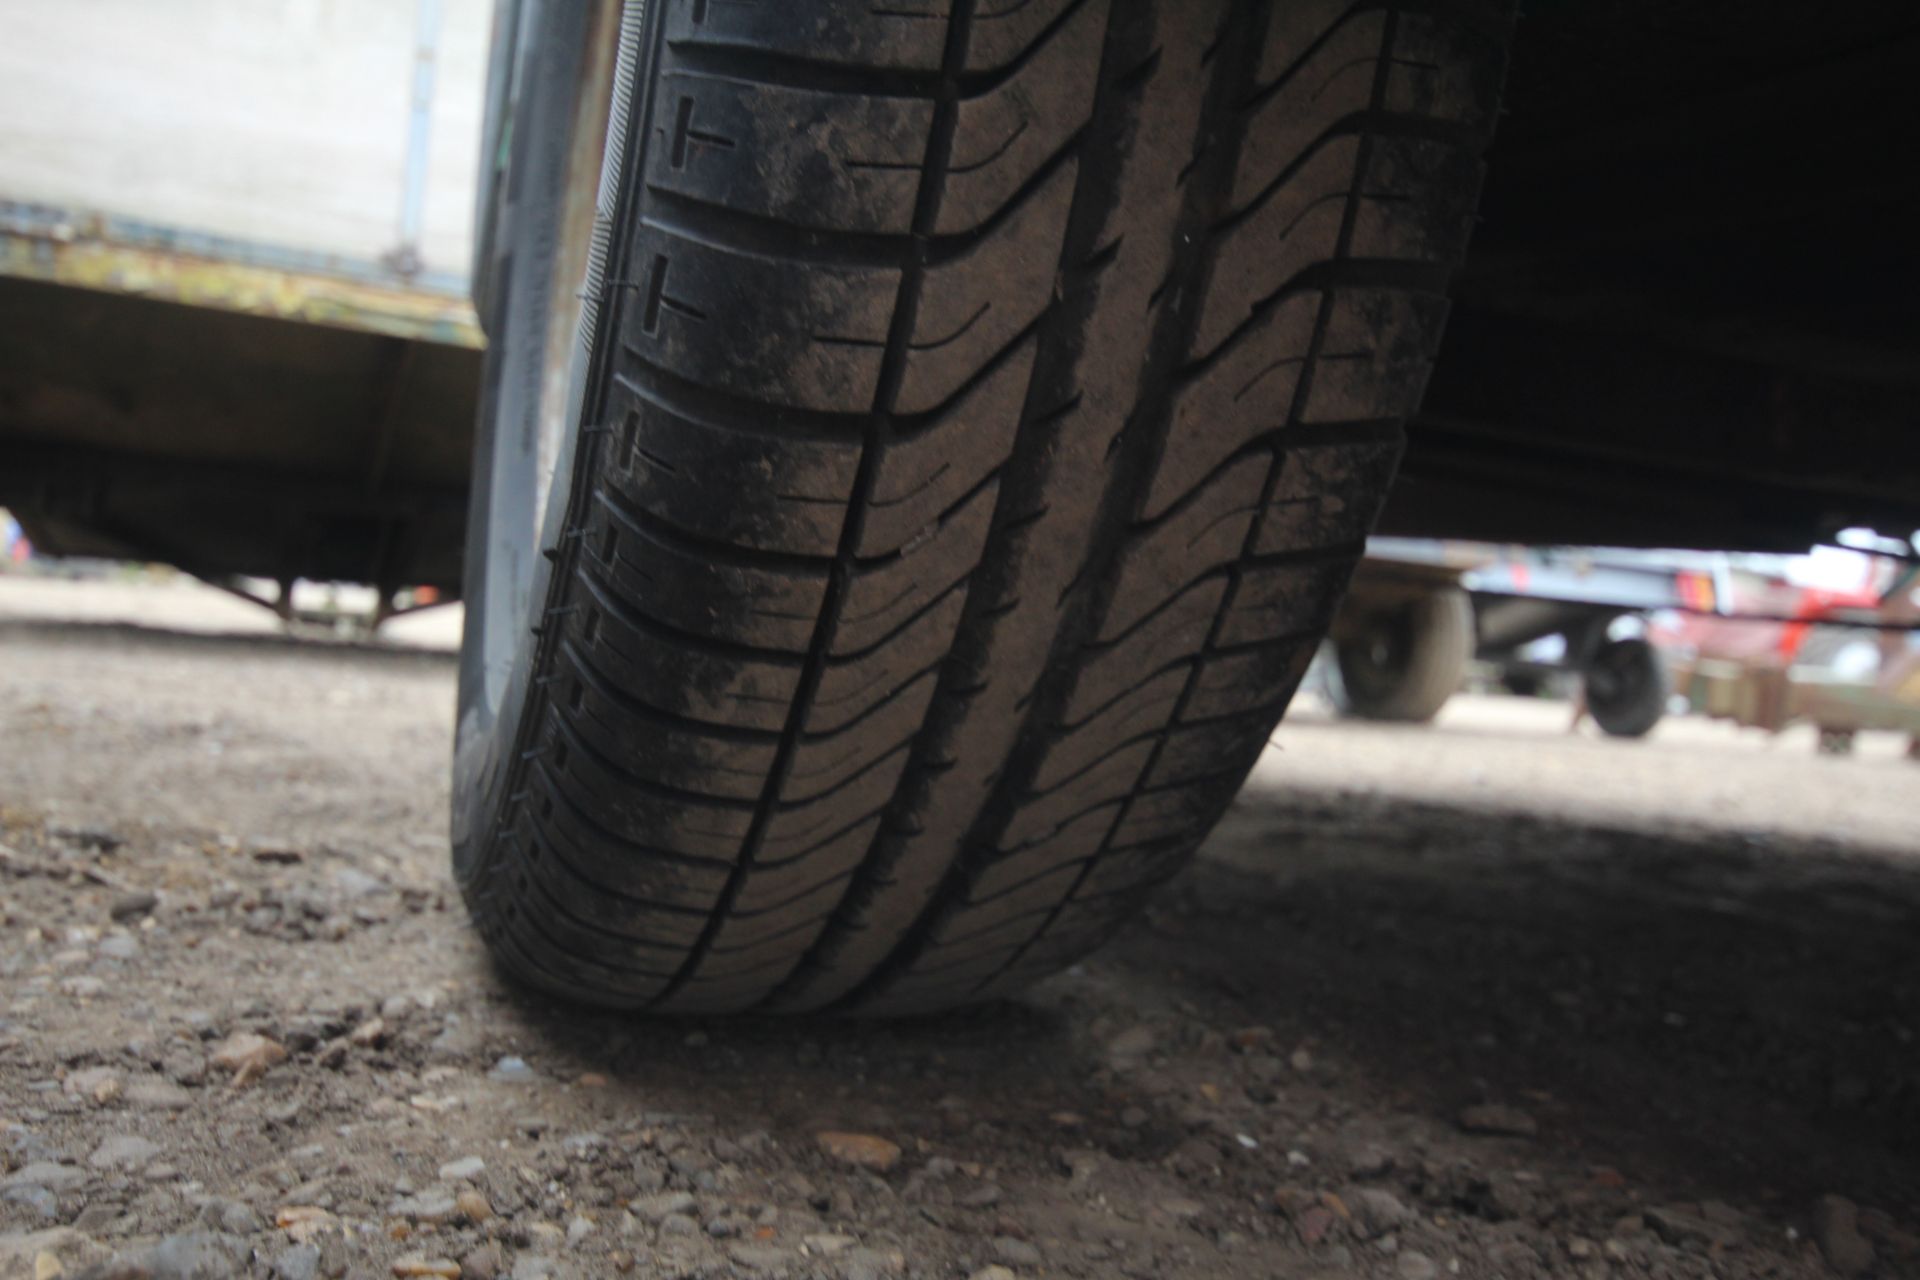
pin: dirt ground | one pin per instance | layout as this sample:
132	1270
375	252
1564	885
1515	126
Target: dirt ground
1480	999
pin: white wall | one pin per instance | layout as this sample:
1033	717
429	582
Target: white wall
282	121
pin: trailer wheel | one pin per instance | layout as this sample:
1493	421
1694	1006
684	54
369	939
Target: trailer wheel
1405	661
977	412
1627	687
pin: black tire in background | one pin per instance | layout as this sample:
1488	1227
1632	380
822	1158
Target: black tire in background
1627	687
984	412
1407	660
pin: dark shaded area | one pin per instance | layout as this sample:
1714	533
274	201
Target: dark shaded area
1732	1016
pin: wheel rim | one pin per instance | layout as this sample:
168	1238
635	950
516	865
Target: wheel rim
543	339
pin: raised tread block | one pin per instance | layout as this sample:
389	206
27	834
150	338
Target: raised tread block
882	597
702	595
676	673
974	304
852	686
1244	392
1002	30
1177	630
1314	503
1284	599
1002	136
786	331
906	35
712	480
1208	528
807	158
921	475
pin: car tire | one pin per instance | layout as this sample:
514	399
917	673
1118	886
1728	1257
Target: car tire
1627	685
980	416
1404	662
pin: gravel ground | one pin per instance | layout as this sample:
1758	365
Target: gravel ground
1483	999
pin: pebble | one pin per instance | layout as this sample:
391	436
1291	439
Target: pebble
1378	1212
512	1070
154	1094
123	1151
100	1084
1132	1044
994	1272
758	1257
861	1150
248	1056
192	1255
1016	1252
1493	1118
414	1264
659	1208
299	1262
1836	1229
37	1200
473	1206
1415	1266
465	1169
234	1217
119	946
480	1264
133	904
44	1173
430	1207
579	1229
827	1245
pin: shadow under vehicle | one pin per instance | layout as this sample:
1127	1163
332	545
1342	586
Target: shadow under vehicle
917	449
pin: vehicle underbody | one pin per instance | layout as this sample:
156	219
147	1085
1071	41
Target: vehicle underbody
1685	321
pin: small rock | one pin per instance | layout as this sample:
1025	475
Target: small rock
193	1255
480	1264
368	1034
154	1094
38	1201
994	1272
579	1229
1016	1252
756	1257
133	904
118	946
659	1208
1412	1265
298	1262
414	1264
1376	1211
123	1151
1681	1226
248	1056
473	1206
234	1217
862	1150
46	1266
512	1070
431	1207
1493	1118
99	1085
1132	1044
1836	1228
465	1169
44	1173
827	1245
302	1222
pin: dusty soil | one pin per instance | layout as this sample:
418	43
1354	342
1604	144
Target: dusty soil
1481	1000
